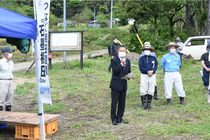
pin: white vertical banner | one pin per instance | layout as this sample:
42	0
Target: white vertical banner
42	9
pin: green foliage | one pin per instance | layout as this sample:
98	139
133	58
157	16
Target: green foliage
157	22
119	12
22	8
104	36
102	19
86	15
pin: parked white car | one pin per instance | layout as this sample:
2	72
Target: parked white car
195	46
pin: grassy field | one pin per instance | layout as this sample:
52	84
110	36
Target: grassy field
82	98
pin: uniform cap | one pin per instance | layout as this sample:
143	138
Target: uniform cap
7	50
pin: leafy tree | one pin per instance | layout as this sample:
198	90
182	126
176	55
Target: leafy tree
208	24
72	7
120	12
85	15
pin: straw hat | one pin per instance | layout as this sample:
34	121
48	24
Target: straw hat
147	46
172	44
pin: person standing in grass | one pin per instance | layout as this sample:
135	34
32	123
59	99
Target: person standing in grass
180	44
170	64
120	67
205	61
148	67
152	54
179	49
112	49
6	76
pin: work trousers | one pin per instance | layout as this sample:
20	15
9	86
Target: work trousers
170	79
6	92
147	84
117	104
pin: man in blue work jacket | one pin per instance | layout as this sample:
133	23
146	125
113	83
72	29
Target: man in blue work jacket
148	67
205	61
170	64
152	54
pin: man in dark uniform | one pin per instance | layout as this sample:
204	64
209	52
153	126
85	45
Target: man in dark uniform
205	60
120	67
112	50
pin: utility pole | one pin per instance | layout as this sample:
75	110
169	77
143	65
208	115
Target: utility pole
94	17
111	14
64	26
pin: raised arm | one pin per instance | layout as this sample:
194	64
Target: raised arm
116	67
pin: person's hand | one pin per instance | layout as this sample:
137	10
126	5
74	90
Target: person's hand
112	57
208	69
150	73
122	62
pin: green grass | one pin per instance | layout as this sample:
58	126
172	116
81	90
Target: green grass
82	98
25	88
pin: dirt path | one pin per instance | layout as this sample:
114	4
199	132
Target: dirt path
26	65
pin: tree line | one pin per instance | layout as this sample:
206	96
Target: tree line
165	18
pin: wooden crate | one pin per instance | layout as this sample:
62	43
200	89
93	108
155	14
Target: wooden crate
29	132
27	124
32	132
51	127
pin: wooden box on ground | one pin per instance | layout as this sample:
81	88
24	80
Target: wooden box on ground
29	132
27	124
51	127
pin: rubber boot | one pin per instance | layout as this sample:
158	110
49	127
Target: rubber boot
149	101
168	101
144	102
1	108
155	94
8	108
181	100
110	68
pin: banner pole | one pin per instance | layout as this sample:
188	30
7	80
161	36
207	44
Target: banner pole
40	104
41	50
64	27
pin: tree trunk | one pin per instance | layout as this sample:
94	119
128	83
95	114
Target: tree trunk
201	27
171	26
190	23
208	24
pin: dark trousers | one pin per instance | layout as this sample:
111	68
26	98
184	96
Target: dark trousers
117	104
180	54
205	77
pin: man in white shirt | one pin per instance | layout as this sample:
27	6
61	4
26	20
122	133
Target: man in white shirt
181	45
6	76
